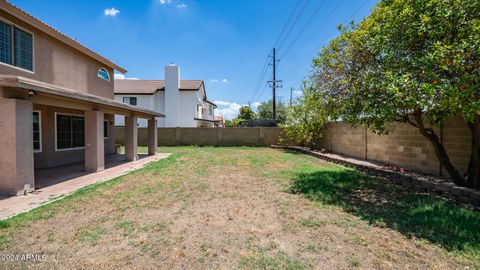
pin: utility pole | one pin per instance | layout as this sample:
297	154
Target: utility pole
274	85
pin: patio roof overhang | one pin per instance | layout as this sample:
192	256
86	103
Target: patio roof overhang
55	95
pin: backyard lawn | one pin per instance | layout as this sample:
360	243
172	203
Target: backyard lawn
245	208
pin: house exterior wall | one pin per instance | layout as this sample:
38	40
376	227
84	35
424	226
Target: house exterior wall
56	63
49	156
159	106
189	102
144	101
152	102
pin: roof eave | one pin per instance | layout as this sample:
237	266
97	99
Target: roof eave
34	22
45	88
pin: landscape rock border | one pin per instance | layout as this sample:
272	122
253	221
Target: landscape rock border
445	189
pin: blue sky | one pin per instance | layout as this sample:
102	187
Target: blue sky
225	43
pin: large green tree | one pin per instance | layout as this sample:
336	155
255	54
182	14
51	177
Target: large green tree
412	61
265	111
245	113
307	118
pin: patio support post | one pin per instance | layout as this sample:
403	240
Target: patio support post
94	141
152	136
16	143
131	138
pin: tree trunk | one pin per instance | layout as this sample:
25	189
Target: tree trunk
473	172
440	151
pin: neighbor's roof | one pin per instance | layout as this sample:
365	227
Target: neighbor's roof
29	19
150	87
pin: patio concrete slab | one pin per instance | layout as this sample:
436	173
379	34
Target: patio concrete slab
54	183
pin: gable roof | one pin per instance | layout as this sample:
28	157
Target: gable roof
150	87
29	19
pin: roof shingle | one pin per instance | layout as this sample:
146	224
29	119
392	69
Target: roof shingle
152	86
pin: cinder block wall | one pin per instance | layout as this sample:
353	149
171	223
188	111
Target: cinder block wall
262	136
404	146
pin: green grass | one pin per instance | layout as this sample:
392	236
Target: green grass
311	222
279	261
90	235
449	225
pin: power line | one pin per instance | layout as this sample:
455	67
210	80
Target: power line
294	23
315	49
285	27
262	76
319	27
304	27
288	21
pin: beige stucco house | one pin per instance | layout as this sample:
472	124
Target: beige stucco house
57	103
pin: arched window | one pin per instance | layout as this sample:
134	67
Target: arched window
103	73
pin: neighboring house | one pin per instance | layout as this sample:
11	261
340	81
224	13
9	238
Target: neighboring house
184	102
56	103
219	121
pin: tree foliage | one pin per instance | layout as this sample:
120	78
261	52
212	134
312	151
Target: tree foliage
246	113
412	61
265	111
307	118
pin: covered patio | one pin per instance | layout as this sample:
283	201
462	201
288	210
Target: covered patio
71	135
46	177
60	181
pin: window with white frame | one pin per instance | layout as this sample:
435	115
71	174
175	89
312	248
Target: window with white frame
70	131
16	46
103	74
130	100
37	133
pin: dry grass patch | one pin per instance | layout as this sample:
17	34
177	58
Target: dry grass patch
233	208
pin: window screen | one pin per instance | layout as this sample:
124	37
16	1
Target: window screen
5	43
70	131
23	49
16	46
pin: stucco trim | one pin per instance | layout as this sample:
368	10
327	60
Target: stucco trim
55	90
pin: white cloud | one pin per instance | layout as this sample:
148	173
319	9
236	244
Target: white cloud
163	2
111	12
182	6
229	110
218	80
255	105
297	92
118	76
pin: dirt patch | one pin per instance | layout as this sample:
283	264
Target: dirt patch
229	215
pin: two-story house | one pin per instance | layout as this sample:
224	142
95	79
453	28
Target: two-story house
184	101
57	103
